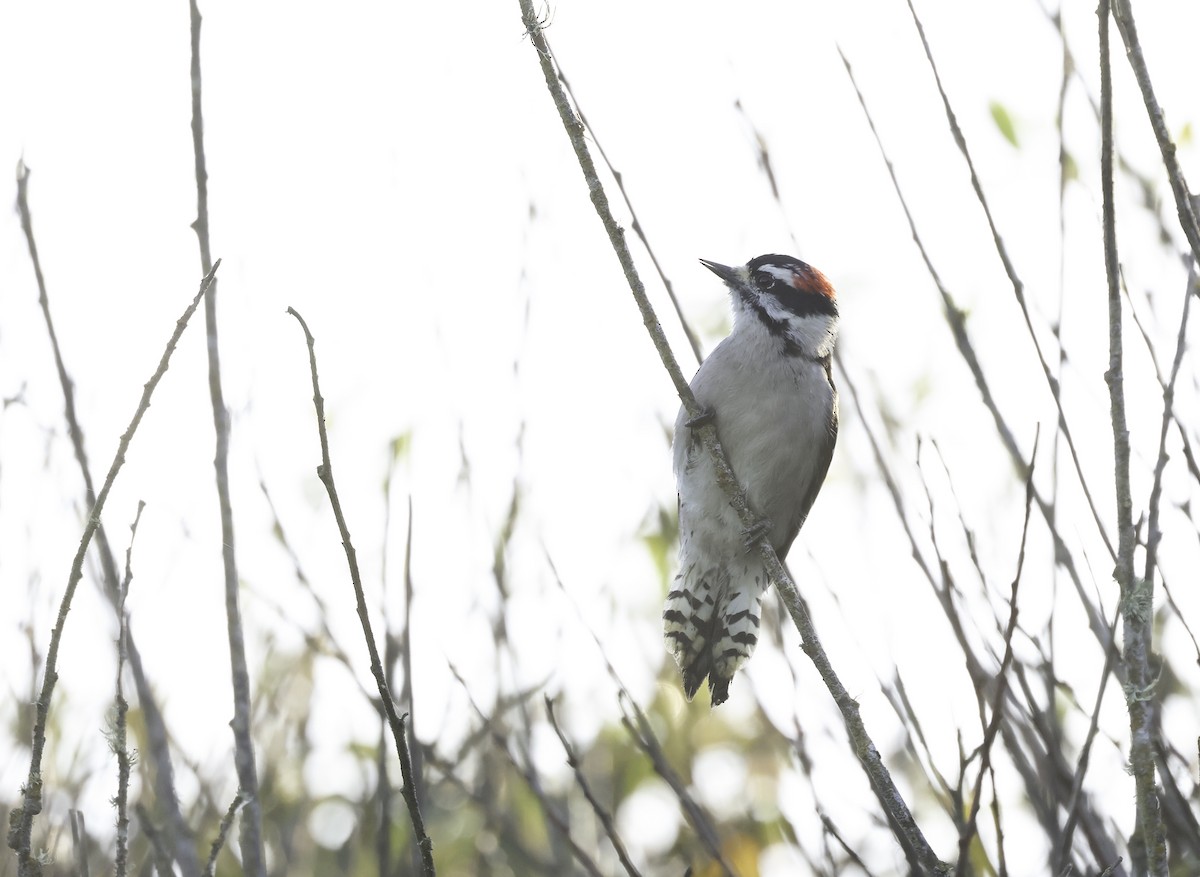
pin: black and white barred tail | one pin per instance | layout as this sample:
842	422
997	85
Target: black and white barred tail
711	624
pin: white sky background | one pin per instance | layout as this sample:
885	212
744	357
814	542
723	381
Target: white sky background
397	173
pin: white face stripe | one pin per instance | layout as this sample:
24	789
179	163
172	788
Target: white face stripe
784	274
815	334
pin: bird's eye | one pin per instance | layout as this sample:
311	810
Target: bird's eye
763	280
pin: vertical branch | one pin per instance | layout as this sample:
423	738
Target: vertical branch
969	831
79	841
200	226
395	721
406	651
247	772
119	740
1153	534
1137	595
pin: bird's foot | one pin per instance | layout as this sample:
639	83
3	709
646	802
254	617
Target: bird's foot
704	417
755	532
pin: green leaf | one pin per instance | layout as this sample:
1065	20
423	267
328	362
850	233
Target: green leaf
1070	168
1004	122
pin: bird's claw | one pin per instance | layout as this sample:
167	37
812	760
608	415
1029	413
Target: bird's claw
756	532
704	417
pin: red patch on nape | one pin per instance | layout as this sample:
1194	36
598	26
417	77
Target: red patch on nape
812	280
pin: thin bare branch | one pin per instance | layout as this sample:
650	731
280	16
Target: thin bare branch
555	818
606	819
177	831
79	842
1018	286
864	747
634	222
21	818
638	727
119	738
1185	202
1153	534
396	722
247	771
1062	854
956	319
1137	596
218	843
993	726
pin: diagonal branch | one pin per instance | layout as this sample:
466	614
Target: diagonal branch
243	755
177	834
956	319
635	223
21	818
1018	285
395	721
881	781
1185	202
606	819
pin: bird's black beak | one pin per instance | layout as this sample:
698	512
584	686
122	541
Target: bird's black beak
729	275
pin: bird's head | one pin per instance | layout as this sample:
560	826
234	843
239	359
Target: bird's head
789	298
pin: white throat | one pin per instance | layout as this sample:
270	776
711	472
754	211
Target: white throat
811	335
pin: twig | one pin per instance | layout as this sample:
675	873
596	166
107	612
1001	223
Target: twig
993	726
1062	855
1192	288
247	771
79	842
1185	205
64	380
1137	596
998	824
606	820
218	843
643	736
501	823
21	818
1153	535
897	696
405	648
956	319
162	858
1018	286
119	741
556	820
396	722
392	645
830	829
881	781
635	223
178	835
326	642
